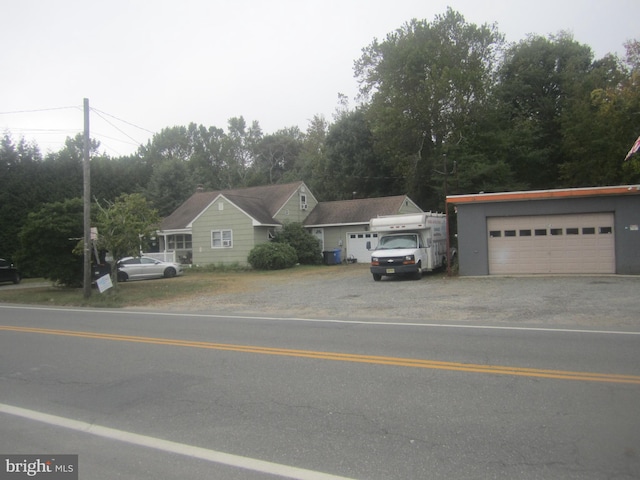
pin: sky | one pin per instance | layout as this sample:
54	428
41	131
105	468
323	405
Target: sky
145	65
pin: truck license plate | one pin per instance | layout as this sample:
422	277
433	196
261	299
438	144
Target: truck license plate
391	270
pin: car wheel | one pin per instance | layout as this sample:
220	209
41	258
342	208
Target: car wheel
122	277
170	272
17	278
377	277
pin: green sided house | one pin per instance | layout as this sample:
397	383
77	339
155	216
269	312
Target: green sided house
222	227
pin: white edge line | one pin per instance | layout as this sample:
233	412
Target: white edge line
319	320
171	447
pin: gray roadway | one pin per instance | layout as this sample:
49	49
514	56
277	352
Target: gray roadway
359	419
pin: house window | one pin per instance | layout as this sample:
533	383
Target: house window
303	201
179	242
221	239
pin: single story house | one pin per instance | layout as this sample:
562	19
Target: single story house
222	227
565	231
344	224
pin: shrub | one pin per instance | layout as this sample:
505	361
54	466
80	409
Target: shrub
272	256
307	246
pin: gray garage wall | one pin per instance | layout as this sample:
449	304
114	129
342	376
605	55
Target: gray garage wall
473	253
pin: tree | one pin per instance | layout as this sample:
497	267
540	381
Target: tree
240	147
425	82
601	125
354	167
47	241
169	186
306	246
125	225
275	155
538	81
312	162
19	194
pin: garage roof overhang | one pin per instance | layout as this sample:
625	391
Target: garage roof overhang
543	194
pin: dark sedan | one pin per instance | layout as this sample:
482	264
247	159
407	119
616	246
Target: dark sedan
9	273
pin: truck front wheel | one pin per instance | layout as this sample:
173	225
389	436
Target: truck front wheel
377	277
418	274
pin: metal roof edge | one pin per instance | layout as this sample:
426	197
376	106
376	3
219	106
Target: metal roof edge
543	194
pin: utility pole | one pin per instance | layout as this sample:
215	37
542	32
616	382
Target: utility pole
446	174
87	203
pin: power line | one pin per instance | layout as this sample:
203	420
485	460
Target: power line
106	117
40	110
121	120
116	127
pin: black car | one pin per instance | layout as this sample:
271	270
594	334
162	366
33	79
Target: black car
9	273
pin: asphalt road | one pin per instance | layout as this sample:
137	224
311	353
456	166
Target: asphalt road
163	395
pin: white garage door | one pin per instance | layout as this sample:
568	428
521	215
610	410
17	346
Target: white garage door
581	243
357	245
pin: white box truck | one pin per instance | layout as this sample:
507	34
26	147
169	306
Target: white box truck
409	244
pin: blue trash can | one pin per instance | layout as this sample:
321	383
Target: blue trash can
331	257
337	253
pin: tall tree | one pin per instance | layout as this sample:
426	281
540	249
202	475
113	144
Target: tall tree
312	165
240	151
354	167
208	161
424	82
275	155
47	241
19	194
594	122
538	81
169	186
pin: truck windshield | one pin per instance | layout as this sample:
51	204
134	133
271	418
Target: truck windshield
398	241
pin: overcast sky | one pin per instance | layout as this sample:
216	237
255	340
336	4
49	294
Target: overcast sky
147	65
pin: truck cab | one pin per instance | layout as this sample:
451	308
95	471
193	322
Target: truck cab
408	244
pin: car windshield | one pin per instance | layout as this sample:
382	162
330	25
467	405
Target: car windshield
398	241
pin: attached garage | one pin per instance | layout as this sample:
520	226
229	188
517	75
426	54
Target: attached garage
357	243
569	231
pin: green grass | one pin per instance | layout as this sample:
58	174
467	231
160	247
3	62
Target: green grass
196	281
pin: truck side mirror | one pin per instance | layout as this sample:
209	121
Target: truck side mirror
368	245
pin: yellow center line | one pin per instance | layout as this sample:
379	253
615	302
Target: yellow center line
345	357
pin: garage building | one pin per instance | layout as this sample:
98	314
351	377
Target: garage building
567	231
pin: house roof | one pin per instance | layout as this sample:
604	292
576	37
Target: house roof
261	203
544	194
357	211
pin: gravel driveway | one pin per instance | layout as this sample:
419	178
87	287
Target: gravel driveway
349	292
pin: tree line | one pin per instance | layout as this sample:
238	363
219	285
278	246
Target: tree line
442	105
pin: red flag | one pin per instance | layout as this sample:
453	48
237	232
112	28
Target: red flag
634	149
